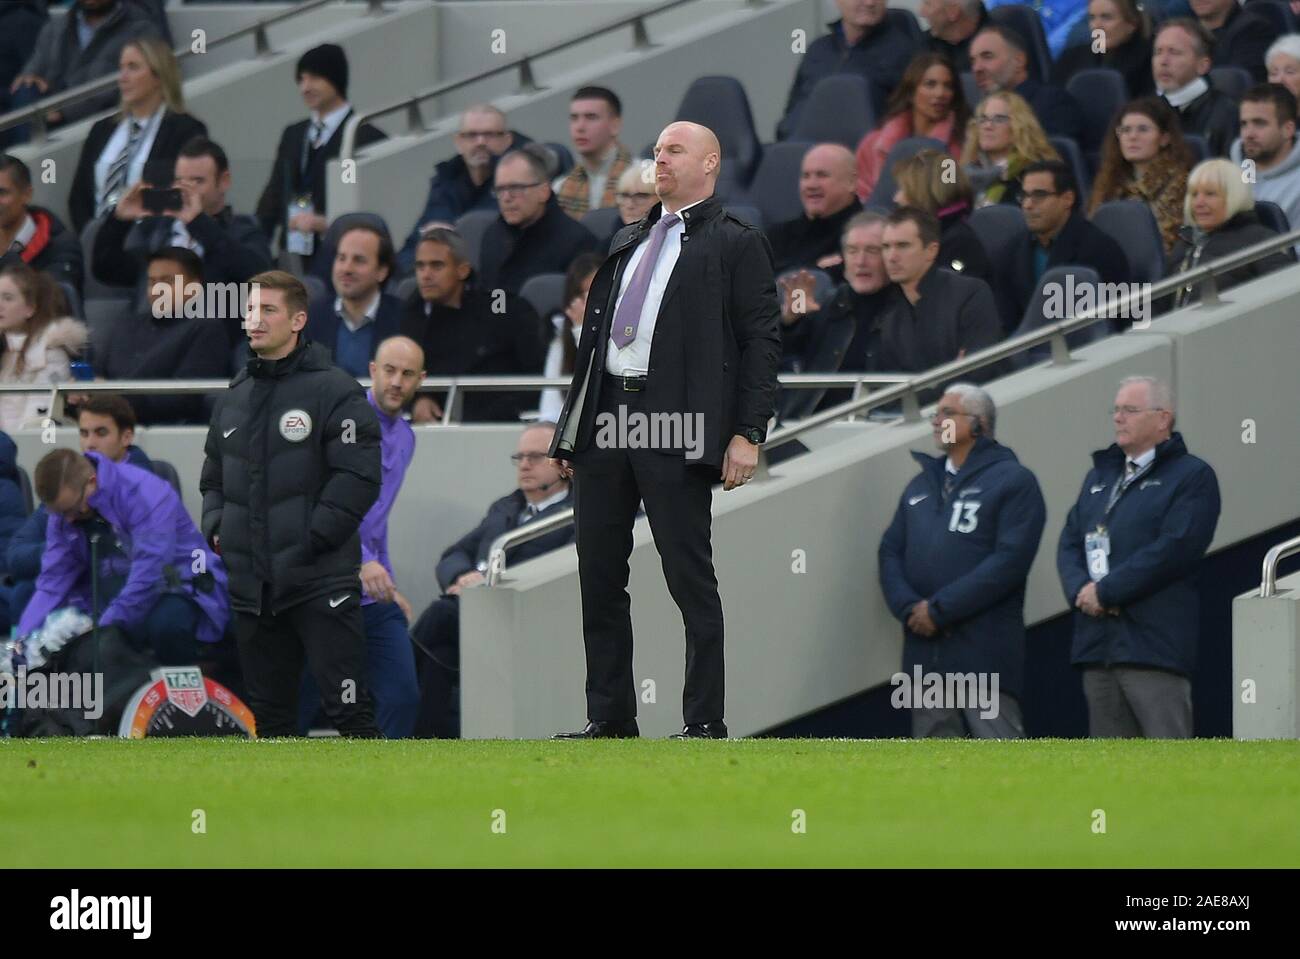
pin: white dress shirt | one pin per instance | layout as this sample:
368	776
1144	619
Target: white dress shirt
531	509
117	143
366	318
330	122
635	357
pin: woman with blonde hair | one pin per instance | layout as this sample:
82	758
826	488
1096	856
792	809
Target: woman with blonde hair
145	134
928	102
38	345
933	181
1145	158
1220	218
1002	138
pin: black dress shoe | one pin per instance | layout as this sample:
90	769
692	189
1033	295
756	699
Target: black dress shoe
713	730
604	729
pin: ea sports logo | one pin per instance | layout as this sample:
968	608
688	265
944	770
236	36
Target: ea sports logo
295	425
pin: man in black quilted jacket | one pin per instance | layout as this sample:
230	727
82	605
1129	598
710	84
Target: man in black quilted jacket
291	467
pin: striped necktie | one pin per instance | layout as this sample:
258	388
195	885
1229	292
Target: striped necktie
115	181
311	143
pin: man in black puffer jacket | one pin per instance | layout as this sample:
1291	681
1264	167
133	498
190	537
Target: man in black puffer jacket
292	466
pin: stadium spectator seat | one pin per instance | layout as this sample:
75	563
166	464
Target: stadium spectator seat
882	197
1133	226
971	89
329	244
1233	81
1071	154
91	288
316	289
750	214
1035	314
602	222
721	105
1200	149
999	227
1100	93
164	470
74	300
775	189
404	288
1024	20
563	158
101	316
1272	216
545	293
838	110
1278	13
471	226
906	20
25	485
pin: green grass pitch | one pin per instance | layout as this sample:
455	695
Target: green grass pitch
108	803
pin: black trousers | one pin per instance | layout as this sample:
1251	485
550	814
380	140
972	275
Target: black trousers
332	639
609	484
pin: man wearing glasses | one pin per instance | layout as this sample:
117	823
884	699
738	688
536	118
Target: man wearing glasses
540	491
1127	559
533	234
1059	235
463	182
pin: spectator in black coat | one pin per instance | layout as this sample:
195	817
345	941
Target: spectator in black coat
31	233
231	247
533	234
953	24
148	131
63	57
932	181
1241	35
295	199
1059	235
1180	66
464	182
1221	219
541	491
362	315
1126	33
21	22
864	41
173	338
828	180
933	315
467	330
1000	61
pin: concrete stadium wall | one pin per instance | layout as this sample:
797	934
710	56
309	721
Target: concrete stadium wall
800	641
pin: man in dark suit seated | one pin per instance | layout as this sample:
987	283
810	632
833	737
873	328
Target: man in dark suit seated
533	234
828	179
934	316
1059	235
230	246
172	338
468	331
294	199
362	315
1000	61
436	635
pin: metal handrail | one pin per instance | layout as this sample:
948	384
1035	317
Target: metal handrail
524	64
1202	276
1268	579
35	113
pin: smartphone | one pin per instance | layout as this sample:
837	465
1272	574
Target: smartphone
160	201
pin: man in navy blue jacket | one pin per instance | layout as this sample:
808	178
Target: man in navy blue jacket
1144	518
953	566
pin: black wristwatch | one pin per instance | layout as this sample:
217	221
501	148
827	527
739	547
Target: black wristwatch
754	435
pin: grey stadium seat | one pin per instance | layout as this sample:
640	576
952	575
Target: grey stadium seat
1132	225
720	103
999	227
91	288
1199	147
164	470
775	190
101	317
602	222
545	293
25	485
1272	216
471	226
839	110
1035	317
1099	92
1233	81
1073	156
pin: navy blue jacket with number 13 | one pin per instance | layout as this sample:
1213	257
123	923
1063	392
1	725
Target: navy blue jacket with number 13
969	558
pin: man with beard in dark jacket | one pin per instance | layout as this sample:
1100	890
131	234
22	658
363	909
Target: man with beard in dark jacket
1127	559
533	234
953	566
31	233
463	182
292	466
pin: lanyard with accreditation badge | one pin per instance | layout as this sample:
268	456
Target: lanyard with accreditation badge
1096	545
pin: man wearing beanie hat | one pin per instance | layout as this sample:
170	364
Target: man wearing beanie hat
295	196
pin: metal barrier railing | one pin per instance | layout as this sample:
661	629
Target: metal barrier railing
1268	579
35	113
1202	277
